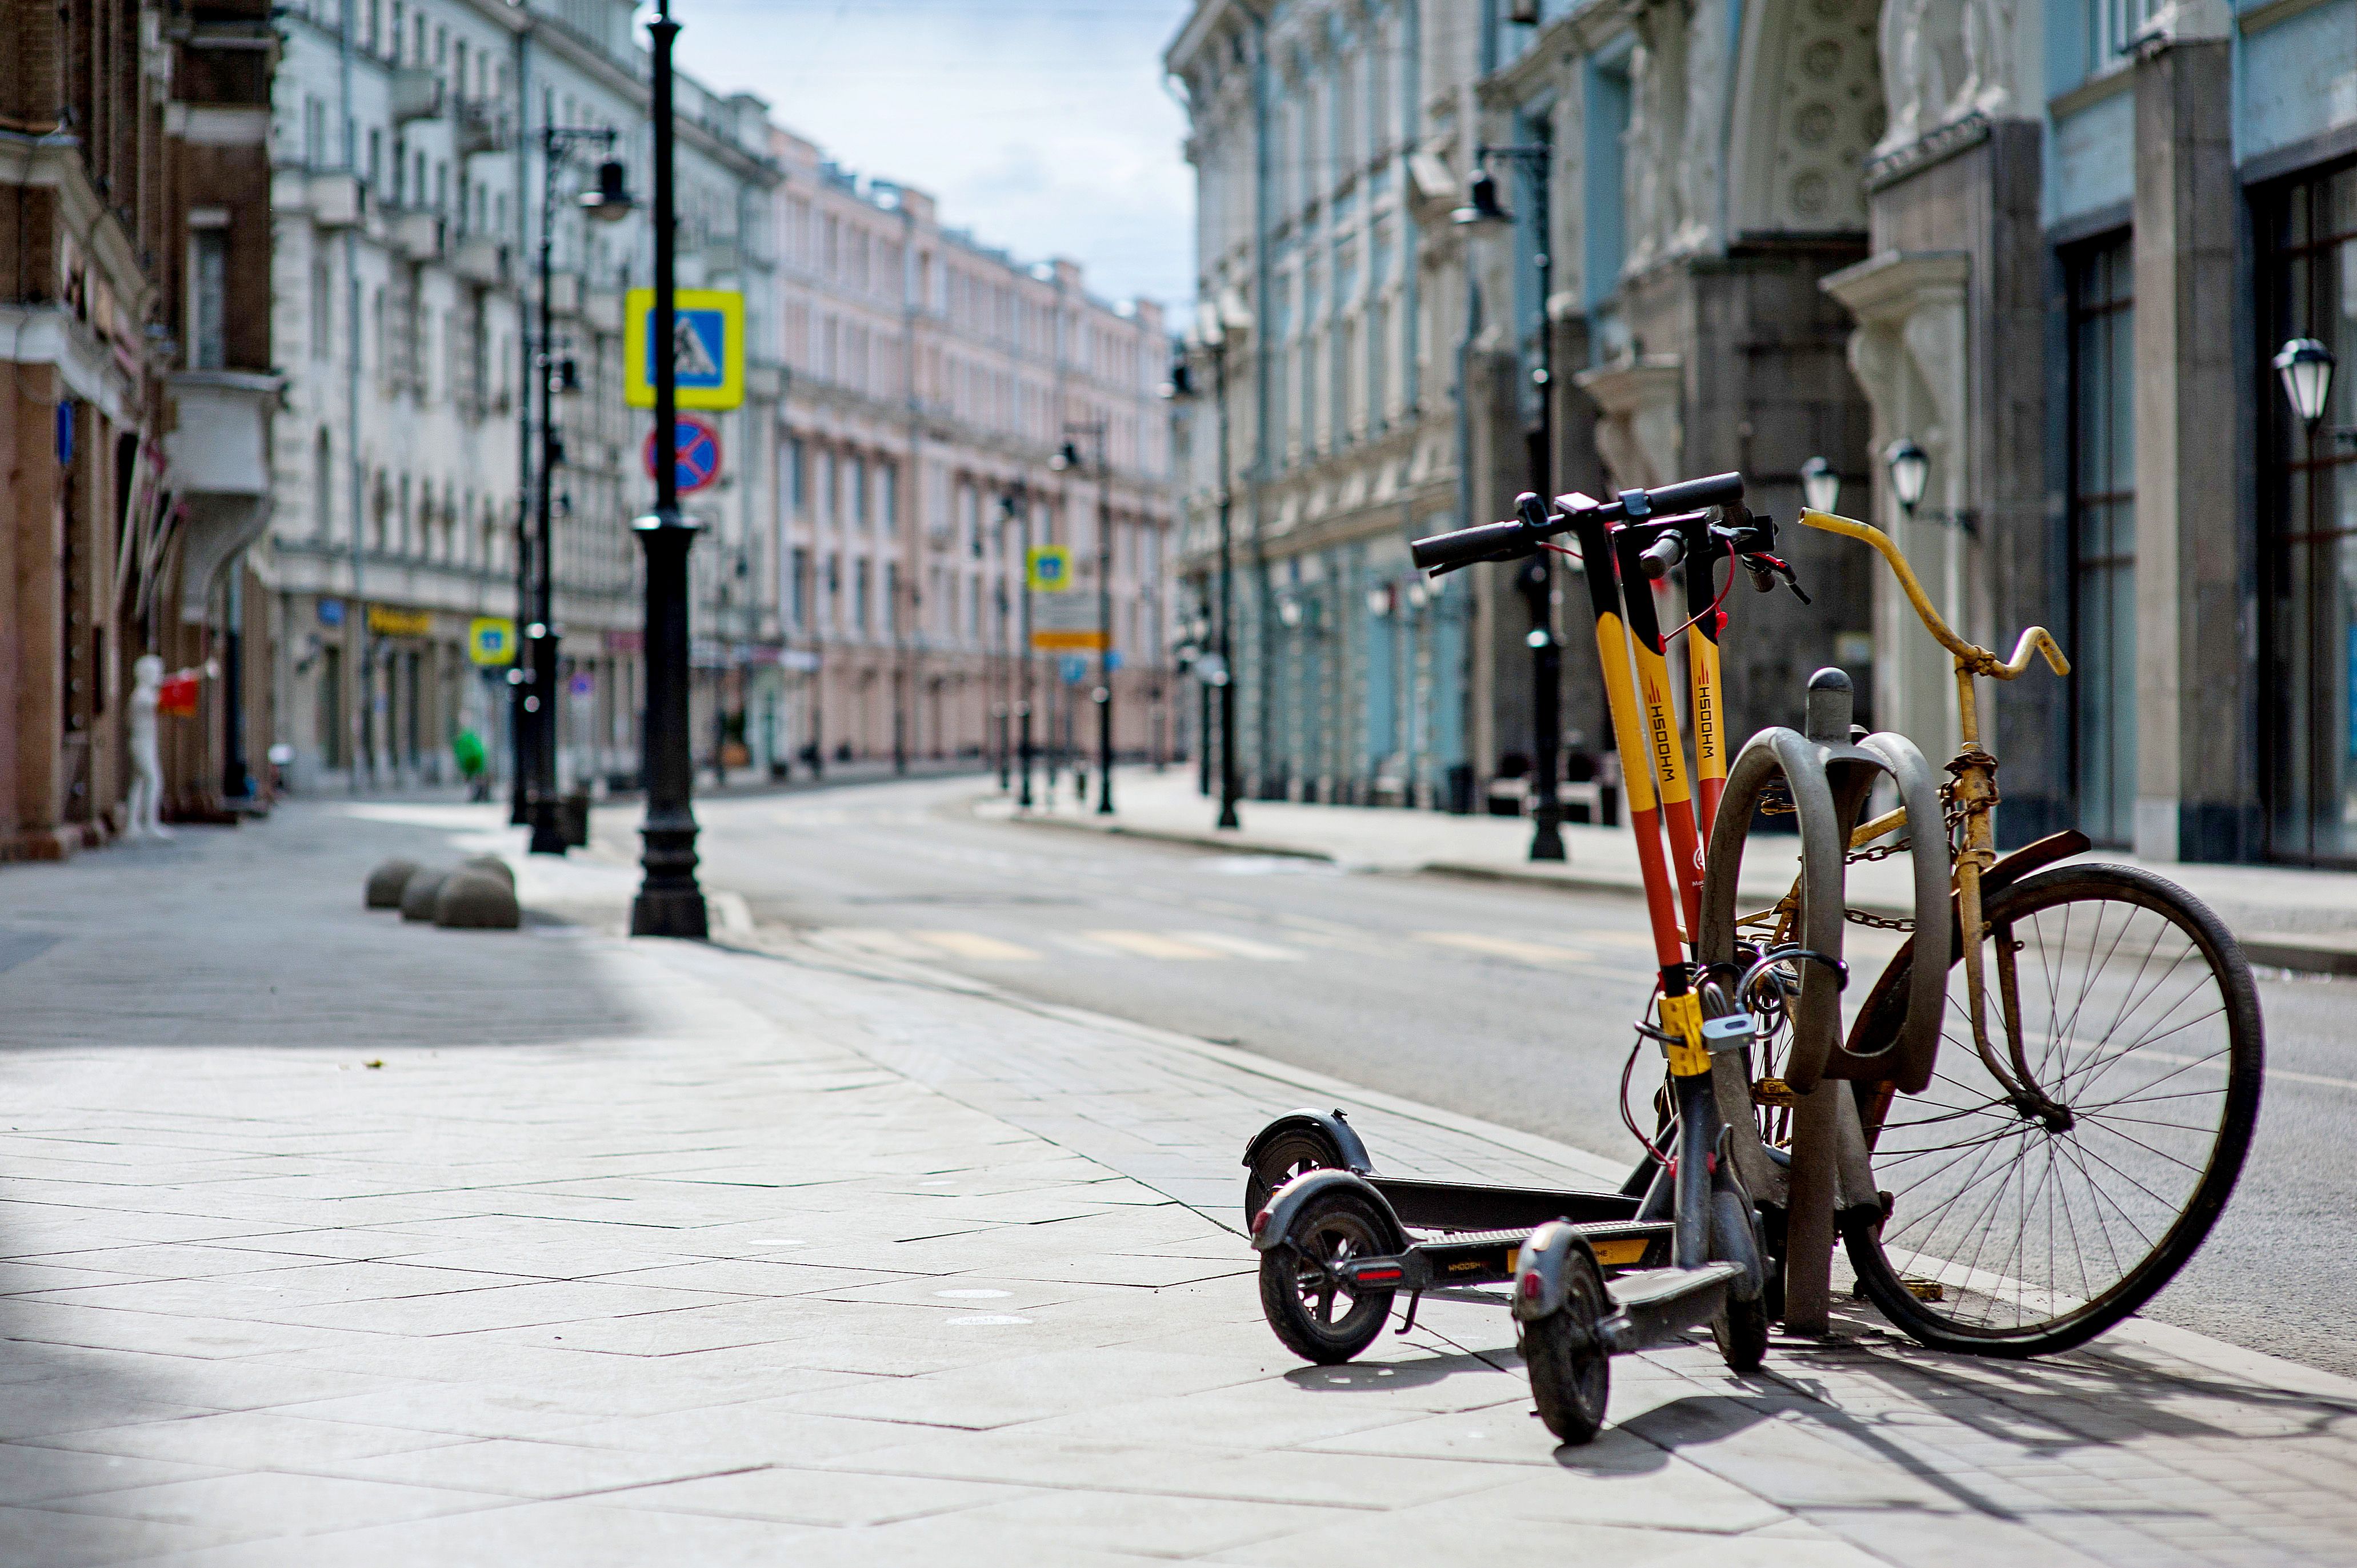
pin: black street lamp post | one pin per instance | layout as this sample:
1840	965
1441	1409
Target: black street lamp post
535	691
1017	503
670	903
1070	459
1535	578
1216	325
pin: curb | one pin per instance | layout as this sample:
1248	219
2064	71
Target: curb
2121	1343
2297	953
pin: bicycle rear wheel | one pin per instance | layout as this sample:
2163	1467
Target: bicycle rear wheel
2011	1235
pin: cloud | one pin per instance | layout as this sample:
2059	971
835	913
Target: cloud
1042	125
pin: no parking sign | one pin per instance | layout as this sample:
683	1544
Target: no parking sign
695	452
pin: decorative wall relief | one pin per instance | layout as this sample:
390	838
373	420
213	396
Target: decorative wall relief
1945	60
1808	107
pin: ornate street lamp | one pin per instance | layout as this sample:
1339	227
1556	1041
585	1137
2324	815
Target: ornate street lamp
1911	470
1820	485
1484	213
535	691
2305	367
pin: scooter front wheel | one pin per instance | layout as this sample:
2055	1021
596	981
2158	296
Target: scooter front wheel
1571	1371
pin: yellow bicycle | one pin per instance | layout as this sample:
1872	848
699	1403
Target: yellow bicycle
2017	1171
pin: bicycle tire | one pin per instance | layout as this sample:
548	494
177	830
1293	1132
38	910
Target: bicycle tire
1939	1150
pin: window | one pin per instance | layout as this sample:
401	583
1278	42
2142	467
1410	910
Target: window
207	299
323	310
855	506
863	583
888	478
797	493
2309	524
798	590
2111	27
323	486
2103	537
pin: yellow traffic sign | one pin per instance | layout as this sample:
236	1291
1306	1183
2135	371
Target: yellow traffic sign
707	343
1049	569
490	639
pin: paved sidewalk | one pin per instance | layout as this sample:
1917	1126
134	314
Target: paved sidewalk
324	1239
2290	917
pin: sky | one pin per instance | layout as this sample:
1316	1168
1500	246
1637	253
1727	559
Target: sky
1044	126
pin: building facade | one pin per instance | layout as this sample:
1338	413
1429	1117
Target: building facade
1328	142
413	183
932	383
136	350
2057	249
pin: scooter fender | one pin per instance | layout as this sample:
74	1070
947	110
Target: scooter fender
1538	1276
1332	1126
1735	1224
1272	1224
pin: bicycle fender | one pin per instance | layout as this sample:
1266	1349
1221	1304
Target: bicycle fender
1333	1127
1272	1225
1538	1276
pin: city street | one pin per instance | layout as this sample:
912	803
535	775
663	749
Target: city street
329	1237
1506	1003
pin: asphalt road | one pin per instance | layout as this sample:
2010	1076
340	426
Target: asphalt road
1492	1000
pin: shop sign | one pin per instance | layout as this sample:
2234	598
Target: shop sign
387	622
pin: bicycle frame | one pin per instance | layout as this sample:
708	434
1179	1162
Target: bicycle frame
1974	794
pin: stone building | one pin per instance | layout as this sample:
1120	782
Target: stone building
2057	249
932	380
410	170
1330	142
136	356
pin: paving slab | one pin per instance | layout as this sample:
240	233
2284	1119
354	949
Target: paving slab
635	1252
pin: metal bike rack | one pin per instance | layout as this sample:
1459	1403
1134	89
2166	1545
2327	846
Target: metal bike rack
1828	776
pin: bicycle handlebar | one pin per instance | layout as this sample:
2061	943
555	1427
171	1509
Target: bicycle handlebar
1979	660
1522	534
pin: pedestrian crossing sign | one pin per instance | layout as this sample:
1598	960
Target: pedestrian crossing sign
707	347
1049	569
490	639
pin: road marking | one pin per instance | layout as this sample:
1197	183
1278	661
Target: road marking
1150	944
882	943
974	945
1503	947
1241	946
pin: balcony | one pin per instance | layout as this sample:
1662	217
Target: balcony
338	200
415	234
416	95
482	127
565	293
219	453
481	260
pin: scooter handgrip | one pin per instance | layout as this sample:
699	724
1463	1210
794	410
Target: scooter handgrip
1489	542
1692	495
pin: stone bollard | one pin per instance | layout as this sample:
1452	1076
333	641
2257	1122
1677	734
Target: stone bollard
490	866
417	897
386	883
477	901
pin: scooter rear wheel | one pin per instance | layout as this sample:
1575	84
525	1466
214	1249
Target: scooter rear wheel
1292	1153
1571	1372
1317	1314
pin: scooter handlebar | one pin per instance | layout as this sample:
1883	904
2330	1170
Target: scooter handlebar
1520	535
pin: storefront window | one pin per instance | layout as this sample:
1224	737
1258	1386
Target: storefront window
2103	537
2311	512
